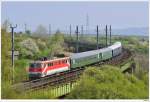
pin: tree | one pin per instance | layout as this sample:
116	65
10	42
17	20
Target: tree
56	44
28	32
6	25
28	48
108	83
6	63
41	30
6	46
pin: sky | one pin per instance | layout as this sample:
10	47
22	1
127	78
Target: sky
62	14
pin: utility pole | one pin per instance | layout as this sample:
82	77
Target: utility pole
110	34
106	35
25	27
49	29
77	43
82	30
12	40
87	24
97	37
70	30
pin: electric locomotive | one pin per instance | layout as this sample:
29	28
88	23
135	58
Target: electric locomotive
39	69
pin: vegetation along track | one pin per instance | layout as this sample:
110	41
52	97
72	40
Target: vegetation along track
68	76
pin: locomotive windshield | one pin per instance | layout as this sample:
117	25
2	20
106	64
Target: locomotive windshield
35	65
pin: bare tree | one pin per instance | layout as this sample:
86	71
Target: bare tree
41	30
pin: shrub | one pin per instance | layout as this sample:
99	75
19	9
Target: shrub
108	83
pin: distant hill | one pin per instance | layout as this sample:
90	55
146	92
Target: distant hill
144	31
132	31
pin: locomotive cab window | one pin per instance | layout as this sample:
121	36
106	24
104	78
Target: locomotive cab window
35	65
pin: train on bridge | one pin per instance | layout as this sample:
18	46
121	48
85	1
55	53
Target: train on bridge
44	68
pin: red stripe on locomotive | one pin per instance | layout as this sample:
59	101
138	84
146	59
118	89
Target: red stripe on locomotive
56	67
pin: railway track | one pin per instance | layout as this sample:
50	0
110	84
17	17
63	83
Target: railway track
52	80
65	77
